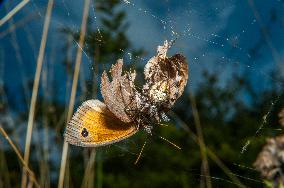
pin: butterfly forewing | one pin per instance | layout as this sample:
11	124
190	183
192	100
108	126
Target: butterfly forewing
118	93
166	77
94	125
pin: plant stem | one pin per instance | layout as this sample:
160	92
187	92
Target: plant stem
31	173
13	12
204	165
210	153
35	88
73	90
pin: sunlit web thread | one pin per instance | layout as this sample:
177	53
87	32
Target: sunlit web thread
101	40
247	178
140	153
240	176
221	179
263	73
185	169
229	59
131	55
264	122
171	43
123	149
95	19
246	167
78	45
58	23
239	34
236	62
66	8
187	32
191	170
105	154
163	22
244	148
36	8
171	143
275	129
142	149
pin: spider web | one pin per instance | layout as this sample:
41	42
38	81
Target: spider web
224	37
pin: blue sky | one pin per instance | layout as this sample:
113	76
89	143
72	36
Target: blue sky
214	35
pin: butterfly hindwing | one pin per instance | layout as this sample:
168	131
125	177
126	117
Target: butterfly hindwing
94	125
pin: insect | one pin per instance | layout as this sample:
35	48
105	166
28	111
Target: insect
127	109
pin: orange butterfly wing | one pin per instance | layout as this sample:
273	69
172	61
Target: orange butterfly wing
94	125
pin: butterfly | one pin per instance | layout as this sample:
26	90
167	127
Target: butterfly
127	109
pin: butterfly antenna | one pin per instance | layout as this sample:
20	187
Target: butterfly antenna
141	151
176	146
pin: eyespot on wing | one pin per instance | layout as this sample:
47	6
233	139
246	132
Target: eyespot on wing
94	125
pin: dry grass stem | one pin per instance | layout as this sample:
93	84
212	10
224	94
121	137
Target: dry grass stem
140	153
16	150
88	179
35	87
74	87
18	24
44	163
204	167
210	153
13	12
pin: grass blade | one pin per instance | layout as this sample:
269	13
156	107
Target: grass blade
35	88
73	90
13	12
